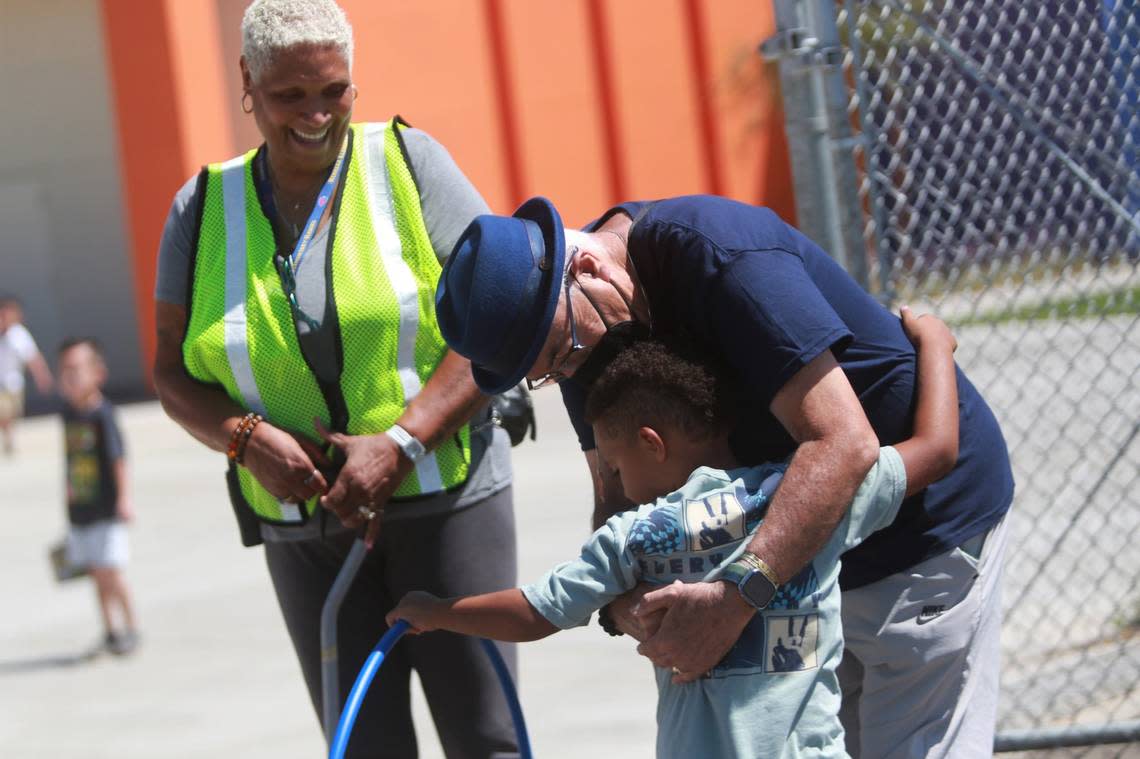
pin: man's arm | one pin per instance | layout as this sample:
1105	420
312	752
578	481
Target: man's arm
504	615
837	447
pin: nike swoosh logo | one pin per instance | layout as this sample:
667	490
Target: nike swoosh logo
930	613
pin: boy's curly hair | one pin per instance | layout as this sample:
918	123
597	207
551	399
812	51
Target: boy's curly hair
650	384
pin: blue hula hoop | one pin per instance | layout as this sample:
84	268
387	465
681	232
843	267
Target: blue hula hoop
367	672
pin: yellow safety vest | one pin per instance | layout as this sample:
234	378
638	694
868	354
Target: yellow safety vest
241	335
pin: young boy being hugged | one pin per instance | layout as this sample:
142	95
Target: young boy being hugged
98	503
662	423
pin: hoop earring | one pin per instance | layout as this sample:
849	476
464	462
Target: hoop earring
243	108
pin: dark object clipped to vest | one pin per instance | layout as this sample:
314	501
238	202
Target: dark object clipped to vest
249	526
513	410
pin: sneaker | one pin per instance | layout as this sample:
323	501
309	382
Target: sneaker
122	643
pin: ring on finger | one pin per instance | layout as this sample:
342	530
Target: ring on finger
676	671
366	512
308	482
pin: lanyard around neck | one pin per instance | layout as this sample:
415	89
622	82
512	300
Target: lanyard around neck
310	230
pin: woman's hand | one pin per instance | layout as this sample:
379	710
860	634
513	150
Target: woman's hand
373	469
414	608
287	465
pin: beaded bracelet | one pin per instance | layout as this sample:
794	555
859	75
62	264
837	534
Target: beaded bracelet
257	419
235	436
235	451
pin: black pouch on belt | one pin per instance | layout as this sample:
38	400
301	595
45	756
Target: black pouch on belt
248	524
513	410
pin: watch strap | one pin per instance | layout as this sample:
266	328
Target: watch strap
408	443
735	572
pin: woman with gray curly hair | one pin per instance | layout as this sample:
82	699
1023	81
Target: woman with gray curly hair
297	334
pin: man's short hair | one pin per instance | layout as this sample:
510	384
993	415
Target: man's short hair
651	385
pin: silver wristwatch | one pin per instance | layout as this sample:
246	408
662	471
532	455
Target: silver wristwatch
409	443
753	578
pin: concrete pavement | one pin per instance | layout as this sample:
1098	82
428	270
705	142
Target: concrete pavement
215	676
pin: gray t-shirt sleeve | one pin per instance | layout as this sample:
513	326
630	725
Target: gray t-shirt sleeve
447	197
574	590
174	254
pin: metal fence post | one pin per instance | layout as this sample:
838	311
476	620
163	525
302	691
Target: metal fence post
818	126
999	172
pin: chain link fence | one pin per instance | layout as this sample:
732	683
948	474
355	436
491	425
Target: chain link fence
981	159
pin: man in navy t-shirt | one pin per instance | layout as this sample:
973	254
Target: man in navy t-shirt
822	371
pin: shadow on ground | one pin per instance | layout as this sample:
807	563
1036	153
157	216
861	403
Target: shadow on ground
40	663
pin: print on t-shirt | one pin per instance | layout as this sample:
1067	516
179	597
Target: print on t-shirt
83	484
687	540
714	521
792	642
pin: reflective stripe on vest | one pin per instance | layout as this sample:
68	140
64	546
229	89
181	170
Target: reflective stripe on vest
237	343
384	272
401	277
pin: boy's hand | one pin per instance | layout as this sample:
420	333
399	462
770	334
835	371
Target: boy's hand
927	330
416	609
125	511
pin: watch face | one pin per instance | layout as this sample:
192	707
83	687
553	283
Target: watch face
757	589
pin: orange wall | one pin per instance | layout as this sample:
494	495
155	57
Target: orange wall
585	101
165	70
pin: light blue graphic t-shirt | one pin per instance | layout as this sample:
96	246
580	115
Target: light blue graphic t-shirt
775	694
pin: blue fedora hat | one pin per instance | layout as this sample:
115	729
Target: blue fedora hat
498	291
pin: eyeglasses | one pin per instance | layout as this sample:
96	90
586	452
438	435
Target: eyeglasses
556	375
289	283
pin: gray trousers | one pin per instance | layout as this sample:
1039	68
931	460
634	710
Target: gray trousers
458	553
922	660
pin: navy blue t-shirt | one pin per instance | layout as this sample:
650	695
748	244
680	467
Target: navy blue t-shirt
761	301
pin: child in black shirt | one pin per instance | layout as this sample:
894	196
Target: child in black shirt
98	505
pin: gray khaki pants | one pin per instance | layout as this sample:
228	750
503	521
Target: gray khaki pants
459	553
922	658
